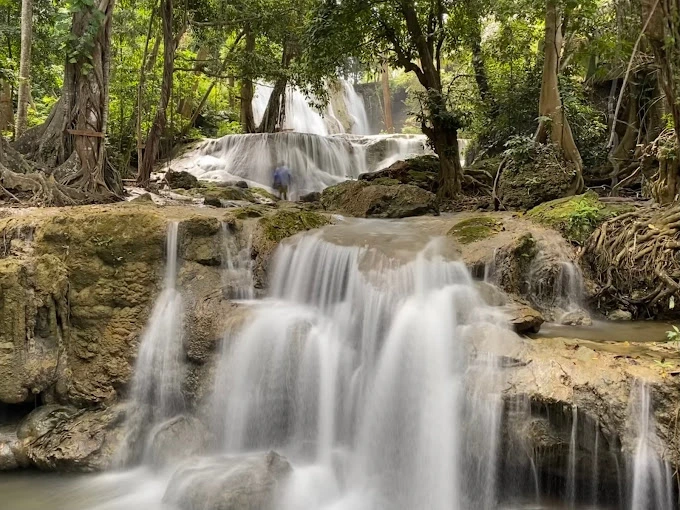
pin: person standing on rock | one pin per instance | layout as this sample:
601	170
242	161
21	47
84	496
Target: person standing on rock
282	180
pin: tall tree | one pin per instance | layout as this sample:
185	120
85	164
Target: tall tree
154	138
387	97
553	124
414	36
663	33
24	67
75	130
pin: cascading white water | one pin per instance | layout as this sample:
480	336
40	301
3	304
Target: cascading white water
356	110
237	267
571	468
316	162
156	387
651	483
359	369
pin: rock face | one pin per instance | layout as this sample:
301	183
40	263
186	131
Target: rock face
33	310
76	287
523	319
229	483
366	200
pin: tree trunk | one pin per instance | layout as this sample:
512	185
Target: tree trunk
186	104
445	143
247	90
387	98
481	77
553	124
272	119
24	67
153	140
663	34
6	108
145	68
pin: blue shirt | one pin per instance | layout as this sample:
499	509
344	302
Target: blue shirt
282	176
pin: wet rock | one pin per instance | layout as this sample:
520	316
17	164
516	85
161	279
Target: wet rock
620	315
576	318
523	319
183	180
8	461
421	171
72	441
43	419
177	439
143	198
273	228
314	196
200	240
491	294
229	483
365	200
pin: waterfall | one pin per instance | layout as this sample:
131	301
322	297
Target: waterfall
571	468
651	477
356	110
358	367
156	387
316	161
237	267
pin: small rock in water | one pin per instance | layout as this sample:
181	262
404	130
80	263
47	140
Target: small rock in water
620	315
228	483
576	318
491	294
314	196
523	318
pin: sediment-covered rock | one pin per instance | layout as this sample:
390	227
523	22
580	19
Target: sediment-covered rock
229	483
62	439
365	200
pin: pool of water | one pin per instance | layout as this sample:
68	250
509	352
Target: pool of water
610	331
130	490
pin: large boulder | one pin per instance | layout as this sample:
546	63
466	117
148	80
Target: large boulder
182	180
365	200
55	438
229	483
535	173
177	439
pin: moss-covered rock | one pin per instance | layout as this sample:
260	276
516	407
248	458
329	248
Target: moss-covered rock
575	217
182	180
363	199
270	230
538	174
475	229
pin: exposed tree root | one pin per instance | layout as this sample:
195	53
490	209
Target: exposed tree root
636	258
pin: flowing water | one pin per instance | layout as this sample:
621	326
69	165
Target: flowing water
156	387
374	367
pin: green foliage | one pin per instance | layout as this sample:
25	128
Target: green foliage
673	335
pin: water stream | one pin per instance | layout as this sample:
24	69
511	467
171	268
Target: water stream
374	369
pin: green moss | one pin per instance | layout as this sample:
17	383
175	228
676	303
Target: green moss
575	217
287	223
475	229
263	193
386	181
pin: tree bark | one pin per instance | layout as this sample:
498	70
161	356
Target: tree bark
272	119
6	108
553	124
153	140
387	98
481	78
247	90
24	67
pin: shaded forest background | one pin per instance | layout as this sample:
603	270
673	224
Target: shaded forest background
95	91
